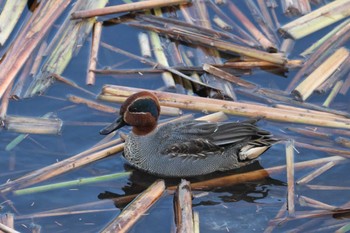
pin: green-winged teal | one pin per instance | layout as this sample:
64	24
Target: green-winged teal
187	148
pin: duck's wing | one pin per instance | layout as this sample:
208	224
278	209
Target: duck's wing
202	139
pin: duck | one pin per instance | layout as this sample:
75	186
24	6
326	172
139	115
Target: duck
185	148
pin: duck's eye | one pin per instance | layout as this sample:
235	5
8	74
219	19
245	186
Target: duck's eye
144	105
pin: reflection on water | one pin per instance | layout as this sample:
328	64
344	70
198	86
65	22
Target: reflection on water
249	192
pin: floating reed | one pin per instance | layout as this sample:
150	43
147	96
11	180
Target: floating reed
234	108
185	33
7	229
95	45
9	17
154	64
344	153
135	6
343	141
294	8
307	201
144	44
290	177
257	174
66	184
28	39
162	59
261	38
7	223
92	104
63	166
64	46
227	76
346	86
333	93
183	208
314	174
17	90
38	58
33	125
336	40
319	75
325	38
261	20
134	211
317	19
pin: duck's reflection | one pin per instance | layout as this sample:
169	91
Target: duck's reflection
247	191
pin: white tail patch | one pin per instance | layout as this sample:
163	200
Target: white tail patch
251	152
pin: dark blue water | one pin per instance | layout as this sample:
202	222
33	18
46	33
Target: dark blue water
246	207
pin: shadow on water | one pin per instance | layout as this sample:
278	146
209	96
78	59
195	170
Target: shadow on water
247	191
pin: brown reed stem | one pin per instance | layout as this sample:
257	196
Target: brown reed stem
95	45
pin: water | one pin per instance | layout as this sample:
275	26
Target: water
246	207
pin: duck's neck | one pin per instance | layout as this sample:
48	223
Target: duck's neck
144	130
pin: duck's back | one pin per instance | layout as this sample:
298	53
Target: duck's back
192	148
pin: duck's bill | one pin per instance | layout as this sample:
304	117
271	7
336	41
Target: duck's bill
117	124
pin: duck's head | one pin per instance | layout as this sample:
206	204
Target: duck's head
140	110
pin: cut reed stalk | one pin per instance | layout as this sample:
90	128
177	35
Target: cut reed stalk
290	177
9	17
309	202
227	76
325	38
221	23
344	153
326	187
244	38
28	39
314	174
260	19
63	166
195	222
294	8
144	44
185	33
135	6
261	38
67	184
319	75
38	58
310	132
343	141
279	215
333	93
346	86
5	102
22	80
95	45
64	46
7	219
234	108
183	208
265	12
215	117
7	229
70	83
162	59
317	19
257	174
33	125
141	71
154	64
287	46
134	211
92	104
337	40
